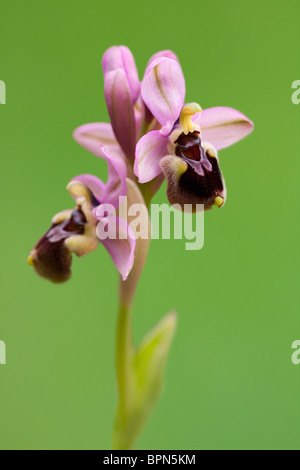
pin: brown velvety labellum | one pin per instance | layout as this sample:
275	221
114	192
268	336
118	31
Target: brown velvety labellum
52	259
188	146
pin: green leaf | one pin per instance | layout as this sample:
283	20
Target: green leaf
148	367
150	360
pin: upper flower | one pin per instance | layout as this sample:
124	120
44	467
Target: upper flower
153	129
184	145
127	111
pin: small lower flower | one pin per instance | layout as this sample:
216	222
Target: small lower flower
71	231
74	231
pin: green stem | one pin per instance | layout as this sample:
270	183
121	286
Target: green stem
124	339
124	356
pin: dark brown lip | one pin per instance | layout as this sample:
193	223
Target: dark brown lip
189	146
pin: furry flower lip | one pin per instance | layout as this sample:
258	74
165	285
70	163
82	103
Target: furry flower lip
184	144
74	231
52	255
193	175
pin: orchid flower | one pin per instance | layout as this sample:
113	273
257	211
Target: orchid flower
75	230
185	146
152	135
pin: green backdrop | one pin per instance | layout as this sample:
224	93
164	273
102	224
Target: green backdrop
230	380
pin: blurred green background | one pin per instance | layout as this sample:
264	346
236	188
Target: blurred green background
230	381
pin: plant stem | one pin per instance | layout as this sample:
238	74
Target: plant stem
125	350
124	356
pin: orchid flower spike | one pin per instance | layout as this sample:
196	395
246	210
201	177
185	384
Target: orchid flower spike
185	146
75	230
124	105
126	109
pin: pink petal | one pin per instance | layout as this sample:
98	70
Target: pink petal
158	55
149	150
120	57
117	172
93	136
95	185
223	126
139	115
163	89
120	109
122	248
